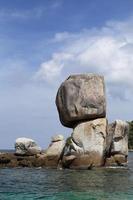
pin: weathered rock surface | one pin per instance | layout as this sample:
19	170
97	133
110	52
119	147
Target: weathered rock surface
116	160
86	161
81	97
40	160
26	146
86	146
56	146
57	138
119	131
117	143
91	136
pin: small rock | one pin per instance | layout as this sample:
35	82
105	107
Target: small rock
116	160
26	146
55	148
57	138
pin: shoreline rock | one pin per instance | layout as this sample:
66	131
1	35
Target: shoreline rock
26	146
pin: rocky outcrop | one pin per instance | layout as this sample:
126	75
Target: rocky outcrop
81	97
93	143
81	104
40	160
26	146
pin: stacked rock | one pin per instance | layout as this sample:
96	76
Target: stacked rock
81	104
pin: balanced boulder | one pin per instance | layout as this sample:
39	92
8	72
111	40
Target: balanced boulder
26	146
80	98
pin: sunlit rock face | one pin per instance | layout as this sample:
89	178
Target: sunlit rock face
119	143
26	146
56	146
81	98
91	136
57	138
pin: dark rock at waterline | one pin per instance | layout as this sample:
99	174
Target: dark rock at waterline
116	160
80	98
82	161
39	160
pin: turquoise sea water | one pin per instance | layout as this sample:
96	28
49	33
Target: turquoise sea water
101	184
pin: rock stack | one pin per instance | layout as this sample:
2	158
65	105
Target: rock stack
81	104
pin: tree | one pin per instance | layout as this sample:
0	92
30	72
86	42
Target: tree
130	136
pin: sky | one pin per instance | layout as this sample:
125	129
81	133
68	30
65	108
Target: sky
42	42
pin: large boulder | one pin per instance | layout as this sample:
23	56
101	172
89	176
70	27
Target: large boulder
80	98
26	146
119	131
91	137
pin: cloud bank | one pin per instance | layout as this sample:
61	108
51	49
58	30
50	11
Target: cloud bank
107	50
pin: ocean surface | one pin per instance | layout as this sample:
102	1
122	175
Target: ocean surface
100	184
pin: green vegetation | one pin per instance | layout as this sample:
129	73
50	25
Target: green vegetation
130	136
69	141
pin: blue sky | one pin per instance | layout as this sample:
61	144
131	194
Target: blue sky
44	41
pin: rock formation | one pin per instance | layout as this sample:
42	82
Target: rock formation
81	104
26	146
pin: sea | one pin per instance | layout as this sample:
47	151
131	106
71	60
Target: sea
52	184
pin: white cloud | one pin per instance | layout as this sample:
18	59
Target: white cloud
51	69
107	50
